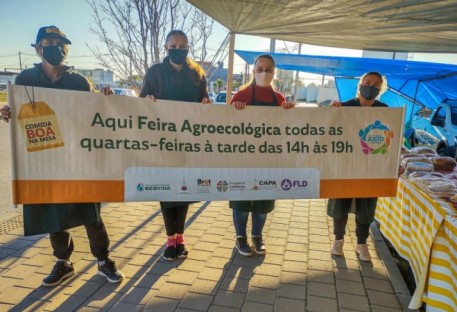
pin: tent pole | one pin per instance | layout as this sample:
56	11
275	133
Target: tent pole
230	67
296	79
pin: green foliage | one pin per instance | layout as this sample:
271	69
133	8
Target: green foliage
3	97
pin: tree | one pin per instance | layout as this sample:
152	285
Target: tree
133	32
219	84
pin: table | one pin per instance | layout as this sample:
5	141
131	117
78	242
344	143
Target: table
423	230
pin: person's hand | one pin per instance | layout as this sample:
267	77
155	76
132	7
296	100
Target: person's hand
149	96
336	104
6	114
239	105
206	101
107	90
287	105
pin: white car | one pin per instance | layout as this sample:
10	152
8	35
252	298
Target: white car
125	92
221	97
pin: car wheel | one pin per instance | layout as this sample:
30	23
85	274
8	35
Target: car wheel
442	150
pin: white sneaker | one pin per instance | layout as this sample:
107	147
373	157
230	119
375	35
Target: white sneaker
337	247
362	252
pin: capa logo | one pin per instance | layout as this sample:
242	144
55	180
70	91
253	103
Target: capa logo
375	138
267	182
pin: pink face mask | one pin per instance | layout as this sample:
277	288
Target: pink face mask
263	79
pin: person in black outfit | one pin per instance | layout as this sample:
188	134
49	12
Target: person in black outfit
52	47
370	86
177	78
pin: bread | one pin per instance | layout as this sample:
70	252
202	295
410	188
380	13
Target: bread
422	150
442	163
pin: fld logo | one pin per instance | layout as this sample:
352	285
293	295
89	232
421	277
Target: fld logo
375	139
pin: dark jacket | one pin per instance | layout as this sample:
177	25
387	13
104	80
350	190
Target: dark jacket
50	218
164	82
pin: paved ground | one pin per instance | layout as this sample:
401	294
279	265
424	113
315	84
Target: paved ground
297	274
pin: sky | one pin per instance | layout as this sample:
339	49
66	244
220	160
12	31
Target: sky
21	19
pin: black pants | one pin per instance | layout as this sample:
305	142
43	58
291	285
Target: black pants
62	243
174	219
362	231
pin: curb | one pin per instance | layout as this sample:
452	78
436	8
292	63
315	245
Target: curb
396	279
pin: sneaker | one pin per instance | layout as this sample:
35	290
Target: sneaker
259	246
170	253
337	247
108	269
242	246
181	251
362	252
61	271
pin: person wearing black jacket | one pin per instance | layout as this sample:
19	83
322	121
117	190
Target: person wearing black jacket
52	47
370	86
177	78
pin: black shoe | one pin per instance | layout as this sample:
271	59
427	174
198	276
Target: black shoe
170	253
181	251
61	271
108	269
242	246
259	246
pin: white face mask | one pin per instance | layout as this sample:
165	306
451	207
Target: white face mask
263	79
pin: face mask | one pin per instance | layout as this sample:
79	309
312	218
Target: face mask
177	56
263	79
54	55
369	92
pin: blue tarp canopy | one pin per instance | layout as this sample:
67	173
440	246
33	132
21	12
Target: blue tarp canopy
410	83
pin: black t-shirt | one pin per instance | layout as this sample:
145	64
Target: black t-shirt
356	102
70	80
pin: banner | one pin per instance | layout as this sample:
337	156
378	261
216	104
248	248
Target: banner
72	146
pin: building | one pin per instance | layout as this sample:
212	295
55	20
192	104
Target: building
98	77
6	77
214	73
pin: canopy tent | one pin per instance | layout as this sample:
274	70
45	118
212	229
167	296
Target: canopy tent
422	83
389	25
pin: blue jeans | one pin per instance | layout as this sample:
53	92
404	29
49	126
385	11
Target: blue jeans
240	220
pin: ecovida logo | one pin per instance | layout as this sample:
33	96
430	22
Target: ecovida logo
375	139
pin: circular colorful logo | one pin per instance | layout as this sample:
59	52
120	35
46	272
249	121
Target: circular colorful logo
375	139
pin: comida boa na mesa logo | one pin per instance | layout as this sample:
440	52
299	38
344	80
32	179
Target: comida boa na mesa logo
375	139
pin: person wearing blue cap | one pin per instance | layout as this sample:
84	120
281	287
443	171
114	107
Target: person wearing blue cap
51	45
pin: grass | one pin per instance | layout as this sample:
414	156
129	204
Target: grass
2	96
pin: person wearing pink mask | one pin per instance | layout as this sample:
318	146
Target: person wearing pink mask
259	92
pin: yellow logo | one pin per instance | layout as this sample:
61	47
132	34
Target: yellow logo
39	126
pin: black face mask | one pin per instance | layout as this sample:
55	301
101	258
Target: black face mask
369	92
177	56
54	55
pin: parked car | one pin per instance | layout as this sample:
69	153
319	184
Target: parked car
436	129
212	96
221	97
125	92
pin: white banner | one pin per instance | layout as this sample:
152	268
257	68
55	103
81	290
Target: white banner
81	146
